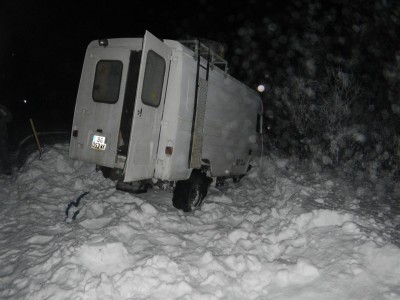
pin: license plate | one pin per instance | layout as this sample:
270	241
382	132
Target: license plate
99	142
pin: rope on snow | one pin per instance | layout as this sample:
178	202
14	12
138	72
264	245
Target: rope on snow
74	203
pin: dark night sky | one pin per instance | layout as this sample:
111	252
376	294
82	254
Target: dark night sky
298	48
43	42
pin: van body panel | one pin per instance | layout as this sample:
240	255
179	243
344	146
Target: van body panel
229	132
230	126
162	120
148	110
178	116
92	118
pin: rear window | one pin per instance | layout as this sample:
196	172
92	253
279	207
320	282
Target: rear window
153	79
107	81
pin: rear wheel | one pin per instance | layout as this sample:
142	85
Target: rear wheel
189	194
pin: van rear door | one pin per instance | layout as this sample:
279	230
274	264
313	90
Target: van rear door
96	124
149	106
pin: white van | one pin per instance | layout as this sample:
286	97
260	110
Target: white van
148	109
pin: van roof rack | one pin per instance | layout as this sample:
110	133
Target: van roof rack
204	48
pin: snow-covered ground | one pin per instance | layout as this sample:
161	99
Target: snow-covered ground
283	232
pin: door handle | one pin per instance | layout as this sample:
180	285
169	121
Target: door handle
139	112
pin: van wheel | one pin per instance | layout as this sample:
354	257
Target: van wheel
189	194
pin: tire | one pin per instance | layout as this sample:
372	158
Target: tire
189	194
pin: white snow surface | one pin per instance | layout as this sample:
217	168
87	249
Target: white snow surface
283	232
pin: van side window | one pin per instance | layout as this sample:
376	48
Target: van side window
107	81
153	79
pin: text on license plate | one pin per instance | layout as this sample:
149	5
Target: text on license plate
99	142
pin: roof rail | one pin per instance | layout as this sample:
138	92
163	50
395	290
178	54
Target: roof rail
207	53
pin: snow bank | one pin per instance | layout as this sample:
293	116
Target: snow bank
267	237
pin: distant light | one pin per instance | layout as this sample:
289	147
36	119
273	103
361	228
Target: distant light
103	42
25	101
261	88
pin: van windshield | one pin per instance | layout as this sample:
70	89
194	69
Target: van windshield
107	81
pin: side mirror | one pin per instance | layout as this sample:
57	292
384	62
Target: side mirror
260	123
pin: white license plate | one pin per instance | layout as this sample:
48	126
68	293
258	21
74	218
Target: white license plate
99	142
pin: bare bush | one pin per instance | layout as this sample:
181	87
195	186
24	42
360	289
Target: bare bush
326	114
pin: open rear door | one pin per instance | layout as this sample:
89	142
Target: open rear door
149	106
99	104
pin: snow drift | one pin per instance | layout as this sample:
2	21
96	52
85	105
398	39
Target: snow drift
281	233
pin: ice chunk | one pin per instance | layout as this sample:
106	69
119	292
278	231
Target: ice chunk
302	272
149	209
350	227
110	258
95	223
238	234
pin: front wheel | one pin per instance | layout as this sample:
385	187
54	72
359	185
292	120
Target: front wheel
189	194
